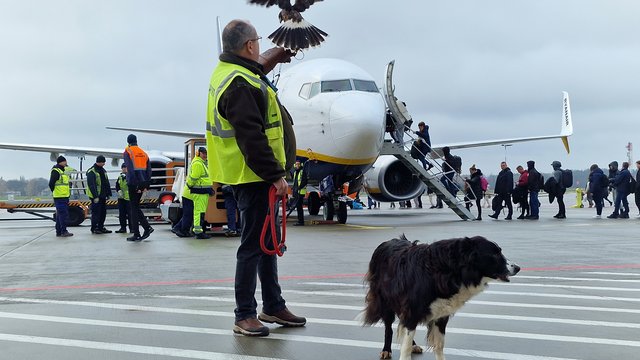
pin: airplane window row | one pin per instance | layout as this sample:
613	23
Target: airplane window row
309	90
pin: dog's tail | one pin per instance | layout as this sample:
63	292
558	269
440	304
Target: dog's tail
372	313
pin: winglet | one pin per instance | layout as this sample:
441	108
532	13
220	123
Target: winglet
219	35
567	122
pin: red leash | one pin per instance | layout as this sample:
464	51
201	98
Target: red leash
270	221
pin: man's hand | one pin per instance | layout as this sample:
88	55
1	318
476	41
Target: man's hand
281	187
96	200
272	57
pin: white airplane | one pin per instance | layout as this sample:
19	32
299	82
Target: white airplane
340	122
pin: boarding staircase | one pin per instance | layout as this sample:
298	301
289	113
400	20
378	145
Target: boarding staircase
431	178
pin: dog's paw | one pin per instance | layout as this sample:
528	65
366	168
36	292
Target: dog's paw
416	349
385	355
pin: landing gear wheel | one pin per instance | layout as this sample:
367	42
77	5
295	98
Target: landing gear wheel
328	210
342	212
313	203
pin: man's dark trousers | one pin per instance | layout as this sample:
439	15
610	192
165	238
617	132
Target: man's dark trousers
62	214
253	203
506	198
98	214
186	222
124	213
561	207
300	210
137	217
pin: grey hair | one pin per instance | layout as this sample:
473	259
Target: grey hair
235	35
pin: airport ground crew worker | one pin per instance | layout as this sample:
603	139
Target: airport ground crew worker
138	181
246	131
123	201
59	185
99	190
183	227
199	185
299	190
231	207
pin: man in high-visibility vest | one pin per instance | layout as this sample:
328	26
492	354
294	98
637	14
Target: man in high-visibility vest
299	190
199	185
99	190
138	181
183	227
123	201
246	129
59	185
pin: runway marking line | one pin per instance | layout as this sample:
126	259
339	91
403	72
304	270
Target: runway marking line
136	349
281	278
359	308
209	355
194	354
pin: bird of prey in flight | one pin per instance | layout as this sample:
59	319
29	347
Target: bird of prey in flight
295	33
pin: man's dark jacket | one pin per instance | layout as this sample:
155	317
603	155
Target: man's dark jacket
504	182
92	182
245	106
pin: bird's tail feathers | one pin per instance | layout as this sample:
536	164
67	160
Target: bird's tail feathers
295	36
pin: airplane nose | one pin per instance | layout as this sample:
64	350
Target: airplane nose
357	124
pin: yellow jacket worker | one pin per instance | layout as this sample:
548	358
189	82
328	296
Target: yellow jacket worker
245	139
199	185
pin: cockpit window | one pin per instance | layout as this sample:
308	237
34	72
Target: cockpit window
304	91
315	89
336	85
365	85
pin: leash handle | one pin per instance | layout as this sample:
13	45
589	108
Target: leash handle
270	222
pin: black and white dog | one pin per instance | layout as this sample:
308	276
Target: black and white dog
427	283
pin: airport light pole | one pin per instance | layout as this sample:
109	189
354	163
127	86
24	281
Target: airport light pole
505	146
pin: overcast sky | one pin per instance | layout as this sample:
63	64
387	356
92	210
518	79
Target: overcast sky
471	69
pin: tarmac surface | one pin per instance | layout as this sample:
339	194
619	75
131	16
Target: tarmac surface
100	297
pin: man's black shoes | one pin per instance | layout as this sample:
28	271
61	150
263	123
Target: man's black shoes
135	238
146	233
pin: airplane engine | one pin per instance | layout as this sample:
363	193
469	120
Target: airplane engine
389	180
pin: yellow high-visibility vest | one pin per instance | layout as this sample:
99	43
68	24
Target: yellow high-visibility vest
226	161
61	188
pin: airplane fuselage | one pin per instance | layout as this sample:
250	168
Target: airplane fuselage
338	114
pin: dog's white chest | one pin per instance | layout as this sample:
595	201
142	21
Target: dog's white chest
445	307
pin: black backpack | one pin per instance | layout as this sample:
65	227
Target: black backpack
632	185
603	181
456	163
567	178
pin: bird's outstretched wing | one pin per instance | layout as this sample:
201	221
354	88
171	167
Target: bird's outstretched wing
266	3
295	33
302	5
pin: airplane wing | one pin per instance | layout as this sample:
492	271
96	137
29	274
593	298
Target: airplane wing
56	150
182	134
79	151
565	131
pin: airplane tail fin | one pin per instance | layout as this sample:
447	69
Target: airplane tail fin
567	122
219	35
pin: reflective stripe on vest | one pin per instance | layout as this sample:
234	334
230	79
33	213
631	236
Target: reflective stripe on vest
98	183
298	180
199	174
138	157
61	188
226	162
124	187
